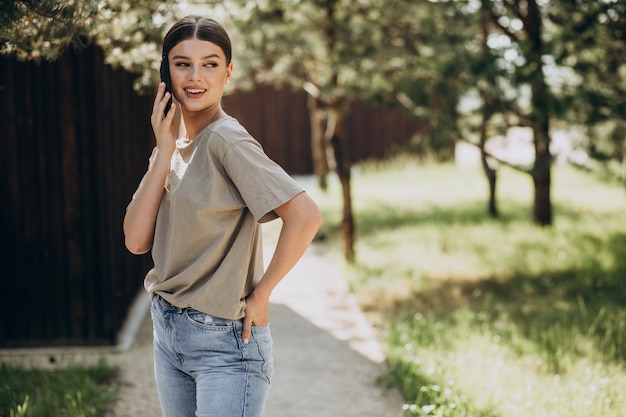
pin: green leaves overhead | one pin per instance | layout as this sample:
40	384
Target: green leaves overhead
432	52
130	33
340	46
35	30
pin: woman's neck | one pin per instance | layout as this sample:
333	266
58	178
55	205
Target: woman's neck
195	122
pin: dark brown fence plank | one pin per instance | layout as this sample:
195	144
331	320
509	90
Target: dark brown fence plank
70	278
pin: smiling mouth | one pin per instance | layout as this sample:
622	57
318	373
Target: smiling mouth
194	91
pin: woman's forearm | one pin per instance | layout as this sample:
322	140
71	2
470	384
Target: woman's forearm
301	220
141	214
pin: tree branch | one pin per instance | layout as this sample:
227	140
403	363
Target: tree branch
518	168
495	19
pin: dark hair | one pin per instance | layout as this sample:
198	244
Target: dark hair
197	27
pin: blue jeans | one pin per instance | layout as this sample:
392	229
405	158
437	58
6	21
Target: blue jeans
202	367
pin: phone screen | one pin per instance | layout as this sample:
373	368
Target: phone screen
165	77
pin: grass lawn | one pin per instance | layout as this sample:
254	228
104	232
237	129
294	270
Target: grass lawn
491	317
73	391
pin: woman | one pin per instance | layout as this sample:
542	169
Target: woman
198	209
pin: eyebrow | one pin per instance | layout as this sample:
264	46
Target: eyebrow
204	57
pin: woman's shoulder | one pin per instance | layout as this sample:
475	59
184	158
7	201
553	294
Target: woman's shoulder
226	134
230	130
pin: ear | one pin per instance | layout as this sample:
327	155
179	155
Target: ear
229	71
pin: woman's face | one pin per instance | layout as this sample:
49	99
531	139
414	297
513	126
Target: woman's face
199	73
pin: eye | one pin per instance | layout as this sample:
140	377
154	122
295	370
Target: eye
181	64
211	64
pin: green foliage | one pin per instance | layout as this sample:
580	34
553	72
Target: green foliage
431	81
130	33
590	42
340	47
43	29
424	56
20	409
74	391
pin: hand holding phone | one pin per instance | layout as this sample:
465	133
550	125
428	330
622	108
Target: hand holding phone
165	77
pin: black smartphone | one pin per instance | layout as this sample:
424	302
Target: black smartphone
165	77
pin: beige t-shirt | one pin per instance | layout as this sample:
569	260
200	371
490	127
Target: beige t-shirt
207	247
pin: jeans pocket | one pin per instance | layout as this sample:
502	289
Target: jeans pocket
262	337
207	321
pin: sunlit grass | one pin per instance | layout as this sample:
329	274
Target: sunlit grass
491	317
73	391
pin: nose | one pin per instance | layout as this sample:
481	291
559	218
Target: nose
194	73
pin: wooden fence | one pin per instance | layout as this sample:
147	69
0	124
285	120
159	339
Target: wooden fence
75	143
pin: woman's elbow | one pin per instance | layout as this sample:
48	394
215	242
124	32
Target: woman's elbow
310	217
136	243
137	236
136	247
316	218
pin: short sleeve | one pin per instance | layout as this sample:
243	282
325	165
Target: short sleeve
261	182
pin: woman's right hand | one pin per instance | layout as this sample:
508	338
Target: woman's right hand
165	129
141	213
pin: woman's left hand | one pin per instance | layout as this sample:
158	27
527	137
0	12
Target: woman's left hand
257	312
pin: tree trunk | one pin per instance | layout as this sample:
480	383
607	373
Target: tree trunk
318	144
487	97
335	112
624	163
490	173
327	118
342	167
540	119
